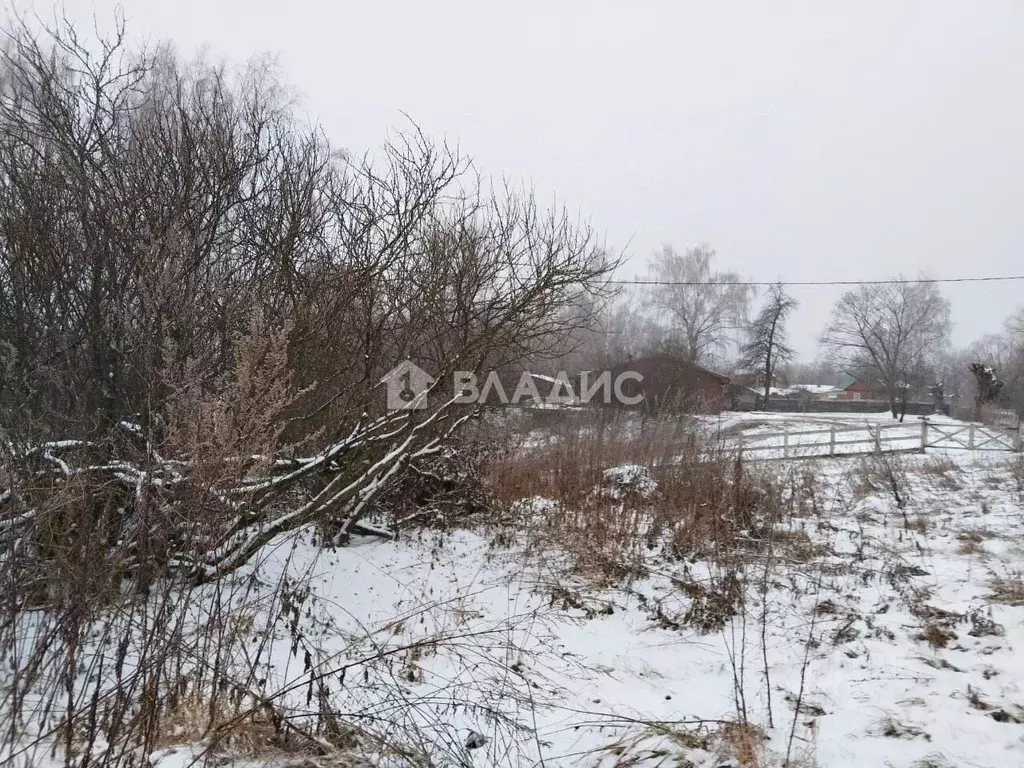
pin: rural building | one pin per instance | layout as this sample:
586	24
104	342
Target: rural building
754	380
852	388
549	391
742	397
671	382
814	391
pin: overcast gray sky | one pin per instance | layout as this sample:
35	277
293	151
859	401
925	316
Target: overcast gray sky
803	141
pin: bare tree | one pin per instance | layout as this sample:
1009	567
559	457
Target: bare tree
766	348
821	371
180	257
700	305
198	301
891	331
1015	325
624	331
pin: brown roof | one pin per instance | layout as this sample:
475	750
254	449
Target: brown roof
674	361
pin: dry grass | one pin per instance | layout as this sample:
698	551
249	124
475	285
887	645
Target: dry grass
725	743
932	761
568	457
945	472
939	465
972	547
1007	590
892	728
745	742
919	524
192	720
797	546
975	700
1015	466
261	733
972	542
866	478
937	635
937	623
707	502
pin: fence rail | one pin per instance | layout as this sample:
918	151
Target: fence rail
837	440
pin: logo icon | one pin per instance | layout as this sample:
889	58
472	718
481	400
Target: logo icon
407	386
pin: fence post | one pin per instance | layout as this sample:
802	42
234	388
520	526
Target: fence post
832	440
970	437
924	435
785	443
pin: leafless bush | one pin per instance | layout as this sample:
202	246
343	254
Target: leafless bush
157	212
198	299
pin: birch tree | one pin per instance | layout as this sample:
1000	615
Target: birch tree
697	304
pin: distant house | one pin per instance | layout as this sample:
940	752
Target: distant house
754	380
670	382
852	388
816	391
528	389
801	392
848	388
553	392
742	397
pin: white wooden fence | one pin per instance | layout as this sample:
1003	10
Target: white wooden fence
861	439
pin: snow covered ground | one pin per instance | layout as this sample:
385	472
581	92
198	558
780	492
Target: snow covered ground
904	625
899	630
808	435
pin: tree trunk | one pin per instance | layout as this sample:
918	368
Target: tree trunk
768	365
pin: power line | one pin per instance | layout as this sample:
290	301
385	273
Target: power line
765	283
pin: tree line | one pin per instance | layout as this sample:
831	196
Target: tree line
894	335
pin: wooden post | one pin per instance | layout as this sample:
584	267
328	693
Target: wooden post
970	437
924	435
832	440
785	443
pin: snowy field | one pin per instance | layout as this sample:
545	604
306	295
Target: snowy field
899	630
912	652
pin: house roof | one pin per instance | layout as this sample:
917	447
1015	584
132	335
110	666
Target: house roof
815	389
565	383
736	386
720	377
846	381
671	361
